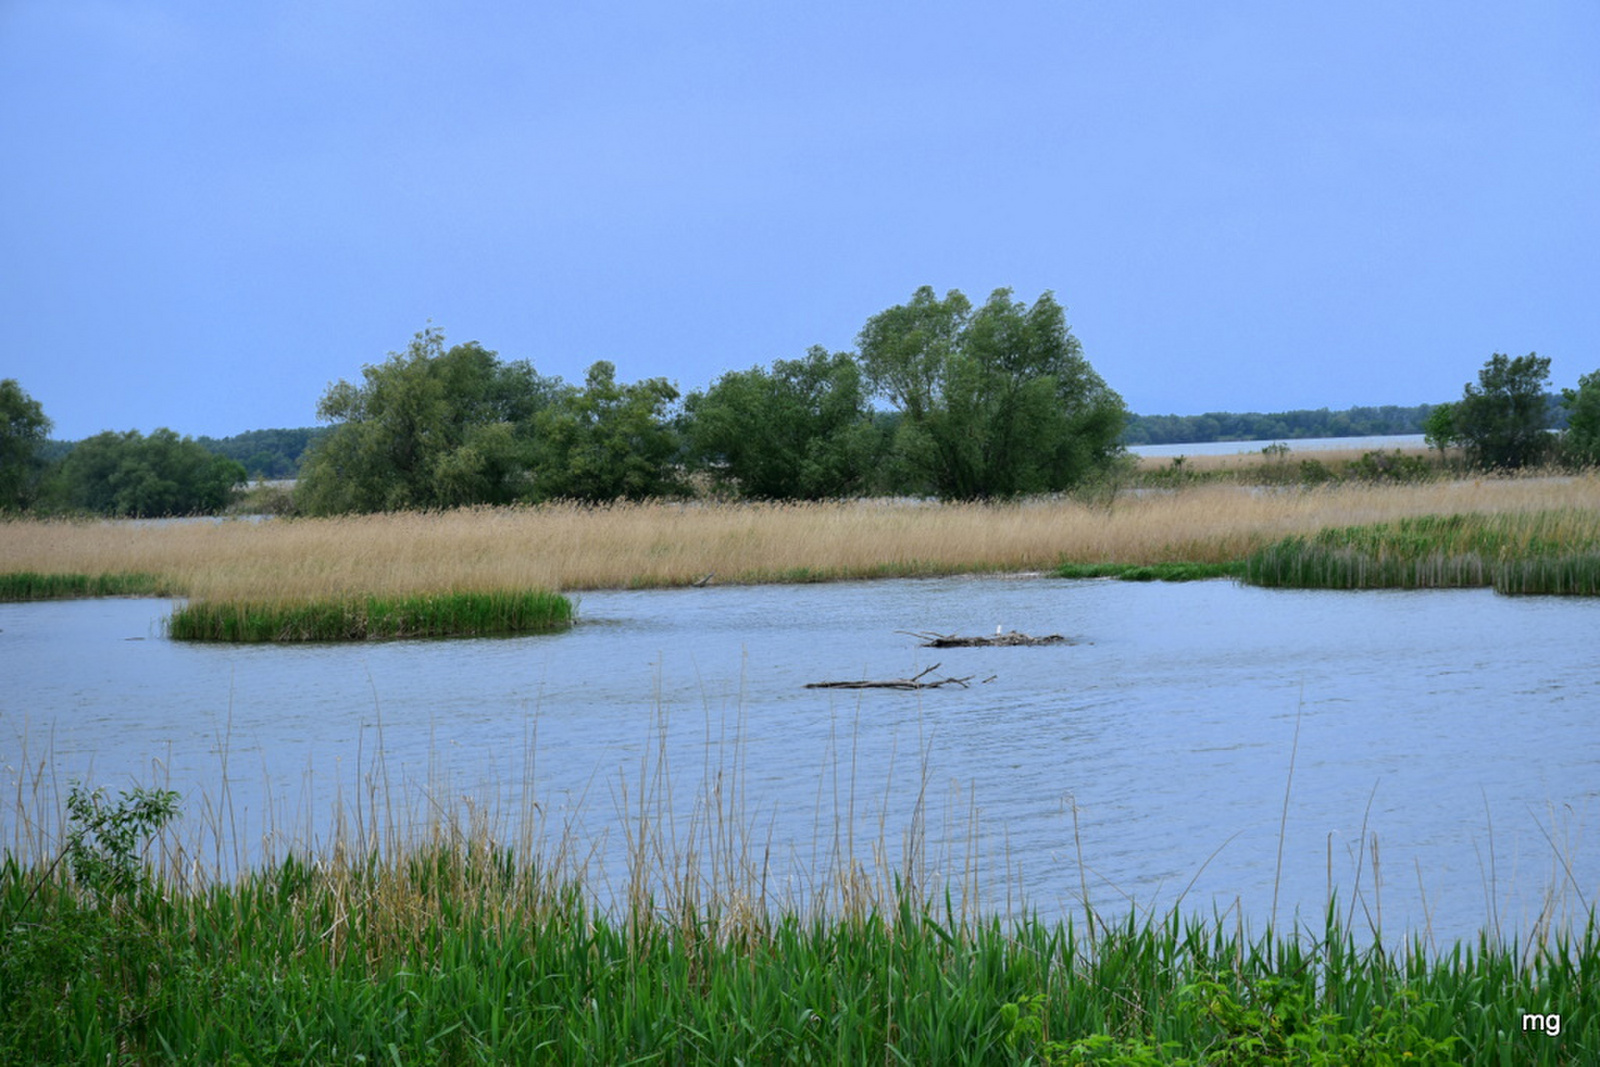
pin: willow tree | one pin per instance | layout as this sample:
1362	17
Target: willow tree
23	429
429	427
800	431
1503	420
995	401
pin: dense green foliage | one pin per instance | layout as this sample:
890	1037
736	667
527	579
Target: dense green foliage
1502	421
367	618
23	430
994	401
1548	552
989	401
606	441
1581	442
1279	426
436	428
427	428
802	430
131	475
267	454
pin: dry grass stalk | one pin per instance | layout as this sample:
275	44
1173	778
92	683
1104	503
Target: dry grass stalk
1207	463
567	547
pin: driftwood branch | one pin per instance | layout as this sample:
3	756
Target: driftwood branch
914	682
930	639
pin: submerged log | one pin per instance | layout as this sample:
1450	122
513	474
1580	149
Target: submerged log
930	639
914	682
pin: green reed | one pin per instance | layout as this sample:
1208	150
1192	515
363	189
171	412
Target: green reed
444	944
1154	572
1533	552
458	614
468	954
26	585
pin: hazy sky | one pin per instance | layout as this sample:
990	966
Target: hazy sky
213	210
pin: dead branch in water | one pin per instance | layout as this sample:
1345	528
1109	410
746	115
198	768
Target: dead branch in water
930	639
914	682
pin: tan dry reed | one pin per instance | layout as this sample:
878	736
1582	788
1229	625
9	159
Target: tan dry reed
569	547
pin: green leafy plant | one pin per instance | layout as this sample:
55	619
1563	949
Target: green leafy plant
105	840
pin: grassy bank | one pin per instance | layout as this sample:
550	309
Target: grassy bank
28	585
444	615
1157	572
1548	552
567	548
1282	465
453	948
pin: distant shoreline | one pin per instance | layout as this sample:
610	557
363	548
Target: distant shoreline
1308	444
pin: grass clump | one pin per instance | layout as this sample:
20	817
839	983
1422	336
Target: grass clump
1550	551
460	614
1155	572
32	585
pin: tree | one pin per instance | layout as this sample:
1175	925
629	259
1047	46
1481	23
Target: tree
996	401
430	427
1439	429
1501	422
801	431
130	475
23	429
607	440
1581	442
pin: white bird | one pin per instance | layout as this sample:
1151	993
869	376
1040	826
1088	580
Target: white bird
997	631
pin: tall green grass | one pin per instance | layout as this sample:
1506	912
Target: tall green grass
466	953
294	965
28	585
1531	552
460	614
467	940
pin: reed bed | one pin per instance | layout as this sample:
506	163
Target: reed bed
1555	551
442	615
27	585
450	945
1157	572
1248	461
570	547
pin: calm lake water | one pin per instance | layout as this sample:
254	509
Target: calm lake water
1303	444
1143	763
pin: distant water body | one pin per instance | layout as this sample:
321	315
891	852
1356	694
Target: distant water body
1308	444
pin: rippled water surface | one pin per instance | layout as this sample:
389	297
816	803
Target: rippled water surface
1451	735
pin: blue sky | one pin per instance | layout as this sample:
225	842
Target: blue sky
212	211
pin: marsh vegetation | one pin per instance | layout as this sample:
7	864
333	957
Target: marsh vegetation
474	935
570	547
480	935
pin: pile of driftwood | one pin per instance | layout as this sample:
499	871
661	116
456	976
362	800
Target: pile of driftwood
914	682
930	639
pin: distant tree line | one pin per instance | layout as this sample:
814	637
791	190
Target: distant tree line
987	401
266	454
984	402
120	474
1280	426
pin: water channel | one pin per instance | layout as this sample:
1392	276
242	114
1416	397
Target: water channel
1445	769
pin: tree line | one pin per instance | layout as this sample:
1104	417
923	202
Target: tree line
987	401
1296	425
984	401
